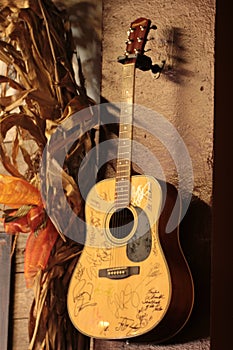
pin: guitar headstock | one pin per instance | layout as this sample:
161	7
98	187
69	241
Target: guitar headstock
137	38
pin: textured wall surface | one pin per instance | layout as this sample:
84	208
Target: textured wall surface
184	96
184	93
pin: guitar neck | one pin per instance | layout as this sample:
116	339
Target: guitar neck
123	167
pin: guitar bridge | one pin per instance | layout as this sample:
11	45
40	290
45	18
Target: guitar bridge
119	272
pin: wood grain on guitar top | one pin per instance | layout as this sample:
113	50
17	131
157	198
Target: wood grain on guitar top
116	293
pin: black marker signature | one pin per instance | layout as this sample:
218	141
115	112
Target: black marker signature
153	300
126	323
100	256
82	295
124	299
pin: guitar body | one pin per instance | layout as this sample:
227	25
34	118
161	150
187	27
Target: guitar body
132	279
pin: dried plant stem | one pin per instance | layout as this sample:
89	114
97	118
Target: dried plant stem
14	244
57	87
41	293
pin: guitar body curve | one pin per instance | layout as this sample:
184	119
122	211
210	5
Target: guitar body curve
131	282
182	300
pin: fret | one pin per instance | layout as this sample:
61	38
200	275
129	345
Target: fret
123	170
124	146
122	182
122	166
125	130
123	141
120	154
125	126
123	175
120	195
120	205
121	188
125	134
123	163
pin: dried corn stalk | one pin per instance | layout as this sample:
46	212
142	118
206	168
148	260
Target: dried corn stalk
37	92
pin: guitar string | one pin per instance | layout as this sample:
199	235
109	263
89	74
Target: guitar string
125	129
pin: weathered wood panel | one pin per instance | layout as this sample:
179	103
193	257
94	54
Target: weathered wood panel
5	275
19	253
20	334
23	298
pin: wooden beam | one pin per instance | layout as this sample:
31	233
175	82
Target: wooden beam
5	276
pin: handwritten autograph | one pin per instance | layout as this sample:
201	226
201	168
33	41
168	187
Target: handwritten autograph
153	300
140	192
144	309
126	298
82	296
101	255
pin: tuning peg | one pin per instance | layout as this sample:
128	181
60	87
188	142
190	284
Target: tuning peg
153	27
136	51
142	28
131	30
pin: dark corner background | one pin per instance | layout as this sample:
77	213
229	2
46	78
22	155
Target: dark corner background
222	247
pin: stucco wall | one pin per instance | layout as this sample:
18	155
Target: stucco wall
184	93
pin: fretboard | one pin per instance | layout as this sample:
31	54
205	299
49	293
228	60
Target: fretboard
123	168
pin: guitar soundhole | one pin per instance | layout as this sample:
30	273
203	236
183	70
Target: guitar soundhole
121	223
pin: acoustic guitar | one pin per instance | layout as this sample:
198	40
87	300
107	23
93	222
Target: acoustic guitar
132	279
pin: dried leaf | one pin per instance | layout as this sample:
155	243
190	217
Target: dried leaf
15	150
45	104
27	123
72	193
12	83
76	105
15	4
11	52
49	308
9	103
11	57
38	250
18	192
17	226
27	158
41	240
37	48
6	162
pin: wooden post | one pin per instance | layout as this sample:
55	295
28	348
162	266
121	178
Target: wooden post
5	276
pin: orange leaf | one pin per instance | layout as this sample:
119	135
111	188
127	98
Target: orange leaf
17	192
36	217
38	249
17	226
